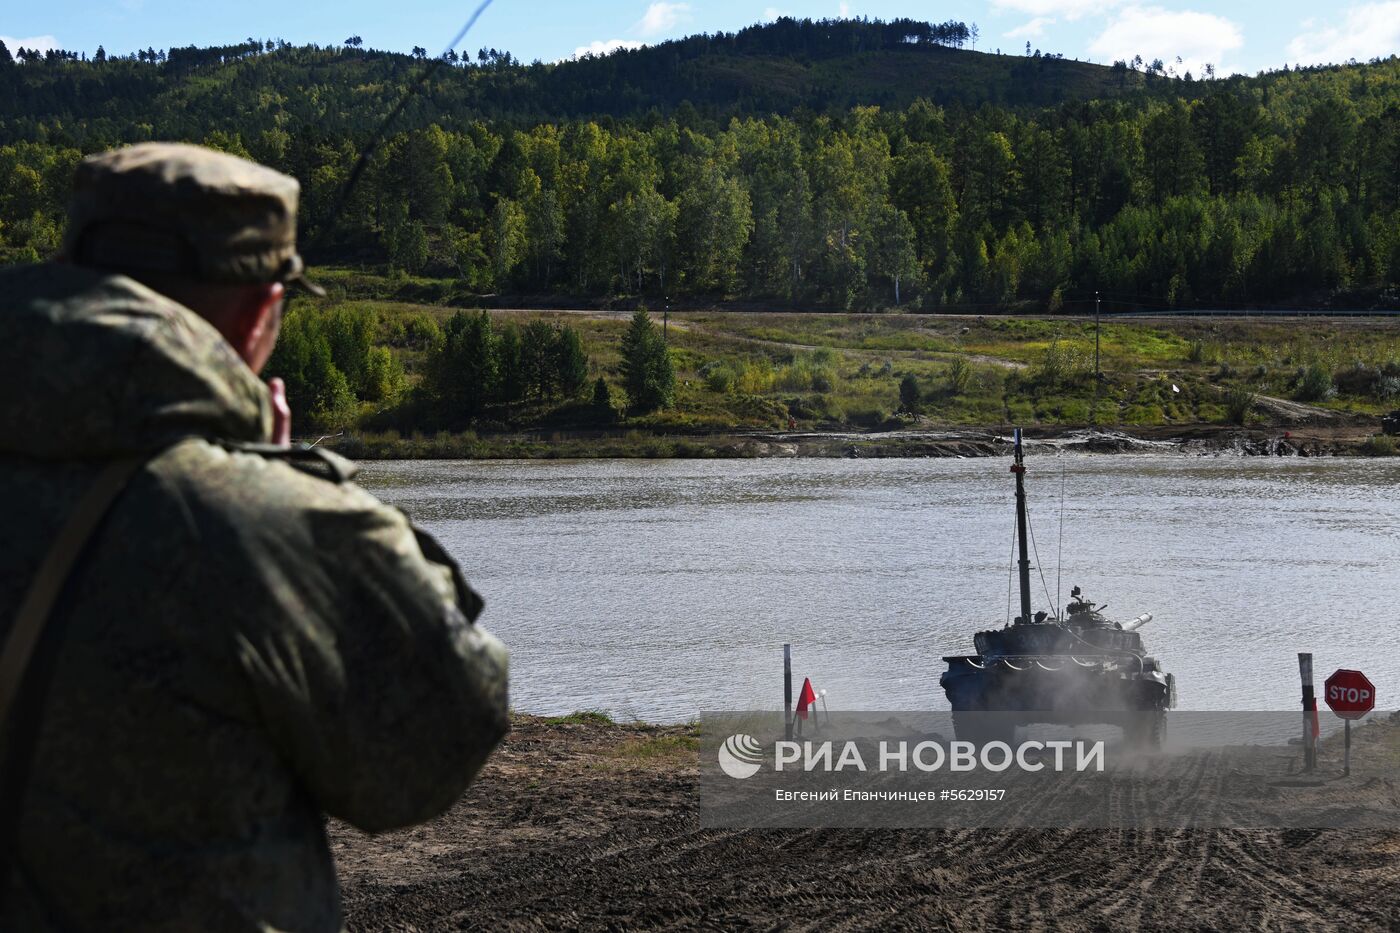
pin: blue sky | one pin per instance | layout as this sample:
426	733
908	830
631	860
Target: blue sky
1244	37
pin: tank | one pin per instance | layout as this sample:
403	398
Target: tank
1071	667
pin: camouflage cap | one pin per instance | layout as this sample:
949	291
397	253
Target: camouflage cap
177	208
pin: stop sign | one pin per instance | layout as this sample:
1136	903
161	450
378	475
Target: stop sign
1350	694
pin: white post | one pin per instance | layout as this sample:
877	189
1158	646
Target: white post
1305	672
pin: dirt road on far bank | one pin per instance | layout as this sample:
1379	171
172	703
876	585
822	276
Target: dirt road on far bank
594	826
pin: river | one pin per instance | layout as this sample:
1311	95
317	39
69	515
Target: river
657	589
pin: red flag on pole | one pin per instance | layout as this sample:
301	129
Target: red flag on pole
808	697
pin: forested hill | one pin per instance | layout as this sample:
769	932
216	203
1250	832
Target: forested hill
774	68
723	167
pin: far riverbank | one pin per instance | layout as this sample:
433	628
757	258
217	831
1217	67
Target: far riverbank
1359	439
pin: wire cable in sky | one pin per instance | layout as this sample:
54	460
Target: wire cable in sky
374	141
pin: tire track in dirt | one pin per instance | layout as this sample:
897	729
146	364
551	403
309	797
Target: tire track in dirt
558	834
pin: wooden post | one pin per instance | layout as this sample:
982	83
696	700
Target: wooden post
787	692
1305	671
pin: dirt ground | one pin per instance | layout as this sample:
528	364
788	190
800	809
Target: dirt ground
594	826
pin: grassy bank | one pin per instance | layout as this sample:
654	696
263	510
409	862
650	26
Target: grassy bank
739	373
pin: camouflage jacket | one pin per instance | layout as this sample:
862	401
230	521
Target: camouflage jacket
249	641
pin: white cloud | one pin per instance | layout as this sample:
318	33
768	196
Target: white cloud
1368	30
33	43
845	9
1153	32
772	13
601	47
1035	27
662	17
1069	9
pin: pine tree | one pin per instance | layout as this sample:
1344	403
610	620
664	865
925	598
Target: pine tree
537	363
602	399
464	375
647	371
570	362
511	381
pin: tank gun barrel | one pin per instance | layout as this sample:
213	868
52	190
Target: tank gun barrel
1138	623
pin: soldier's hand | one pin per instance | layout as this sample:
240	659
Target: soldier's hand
281	412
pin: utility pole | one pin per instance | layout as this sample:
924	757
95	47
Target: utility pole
666	320
1098	373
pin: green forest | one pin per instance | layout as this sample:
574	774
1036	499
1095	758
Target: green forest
725	168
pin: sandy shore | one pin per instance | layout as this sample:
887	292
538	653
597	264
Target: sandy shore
594	826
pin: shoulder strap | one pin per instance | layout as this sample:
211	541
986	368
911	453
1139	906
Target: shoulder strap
25	634
53	573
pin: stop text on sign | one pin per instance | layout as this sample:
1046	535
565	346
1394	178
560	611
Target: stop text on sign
1348	695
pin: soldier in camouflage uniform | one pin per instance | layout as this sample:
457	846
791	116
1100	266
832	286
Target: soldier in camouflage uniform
250	639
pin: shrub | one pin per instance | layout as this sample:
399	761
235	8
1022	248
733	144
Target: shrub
756	377
1378	445
870	417
1239	402
794	377
959	375
1358	379
421	332
719	378
1314	384
909	394
383	379
1058	365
